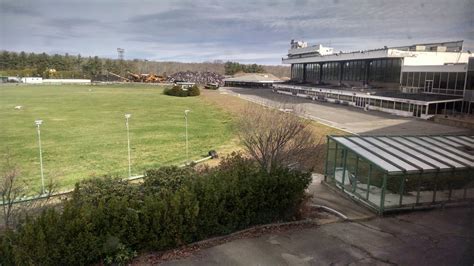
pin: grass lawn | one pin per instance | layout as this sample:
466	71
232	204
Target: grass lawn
84	134
236	106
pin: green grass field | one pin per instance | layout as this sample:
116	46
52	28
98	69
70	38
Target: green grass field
84	134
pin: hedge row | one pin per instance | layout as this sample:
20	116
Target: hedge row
178	91
108	220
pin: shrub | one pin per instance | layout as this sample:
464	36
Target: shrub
108	220
179	92
194	91
168	177
175	91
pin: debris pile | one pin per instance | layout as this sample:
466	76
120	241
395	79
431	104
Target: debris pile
147	78
211	79
202	78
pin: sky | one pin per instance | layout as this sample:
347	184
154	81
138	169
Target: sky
238	30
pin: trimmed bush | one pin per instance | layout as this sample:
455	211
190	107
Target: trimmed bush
194	91
179	92
168	177
108	220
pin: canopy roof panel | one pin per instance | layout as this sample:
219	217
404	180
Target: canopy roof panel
413	154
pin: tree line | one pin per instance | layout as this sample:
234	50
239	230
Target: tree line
57	66
232	68
76	66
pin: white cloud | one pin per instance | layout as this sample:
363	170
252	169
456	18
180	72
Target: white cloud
227	30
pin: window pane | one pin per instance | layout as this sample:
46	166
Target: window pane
429	76
460	81
452	80
436	80
410	79
404	78
422	79
444	80
416	78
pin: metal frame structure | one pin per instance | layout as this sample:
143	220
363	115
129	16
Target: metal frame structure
388	173
375	101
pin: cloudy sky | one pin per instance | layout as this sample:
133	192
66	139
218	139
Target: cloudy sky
242	30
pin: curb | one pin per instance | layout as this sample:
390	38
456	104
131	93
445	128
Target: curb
263	226
161	256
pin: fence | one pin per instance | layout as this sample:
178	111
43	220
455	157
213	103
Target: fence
66	192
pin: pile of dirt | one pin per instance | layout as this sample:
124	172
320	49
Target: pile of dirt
201	78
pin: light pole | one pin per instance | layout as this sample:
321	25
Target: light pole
186	119
38	123
127	116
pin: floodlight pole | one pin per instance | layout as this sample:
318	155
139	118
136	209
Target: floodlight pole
38	123
186	119
127	116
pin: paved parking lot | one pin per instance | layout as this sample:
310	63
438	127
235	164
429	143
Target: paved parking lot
437	237
351	119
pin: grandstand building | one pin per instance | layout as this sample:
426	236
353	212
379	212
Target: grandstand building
419	80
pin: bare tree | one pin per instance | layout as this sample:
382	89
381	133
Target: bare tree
10	191
275	138
14	193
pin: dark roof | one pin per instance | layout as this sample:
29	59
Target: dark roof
254	78
383	92
427	97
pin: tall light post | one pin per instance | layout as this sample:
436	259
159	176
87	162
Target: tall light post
38	124
127	116
186	119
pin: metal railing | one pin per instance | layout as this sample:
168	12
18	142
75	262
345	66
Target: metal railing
66	192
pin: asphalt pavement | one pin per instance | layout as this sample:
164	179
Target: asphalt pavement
436	237
348	118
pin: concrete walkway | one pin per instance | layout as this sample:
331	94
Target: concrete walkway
325	196
437	237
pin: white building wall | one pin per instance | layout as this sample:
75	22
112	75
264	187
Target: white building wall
433	58
439	68
32	80
66	81
339	57
410	57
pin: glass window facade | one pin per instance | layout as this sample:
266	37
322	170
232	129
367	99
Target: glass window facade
385	70
312	72
331	71
470	75
436	80
410	79
443	82
297	72
354	70
380	70
452	77
353	170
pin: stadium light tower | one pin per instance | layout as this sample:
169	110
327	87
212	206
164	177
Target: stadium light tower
186	120
127	116
38	124
120	52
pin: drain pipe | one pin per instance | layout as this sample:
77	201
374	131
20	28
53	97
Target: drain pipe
331	210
